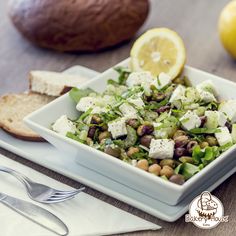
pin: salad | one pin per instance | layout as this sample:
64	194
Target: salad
166	127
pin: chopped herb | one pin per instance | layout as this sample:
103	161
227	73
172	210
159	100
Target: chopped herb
108	116
123	74
113	82
75	137
204	131
212	106
85	114
156	105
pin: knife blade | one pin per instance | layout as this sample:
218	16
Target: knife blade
36	214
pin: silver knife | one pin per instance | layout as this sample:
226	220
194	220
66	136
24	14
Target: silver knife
36	214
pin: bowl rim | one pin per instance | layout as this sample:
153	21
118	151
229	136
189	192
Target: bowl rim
139	172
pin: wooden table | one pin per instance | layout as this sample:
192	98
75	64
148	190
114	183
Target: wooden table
195	21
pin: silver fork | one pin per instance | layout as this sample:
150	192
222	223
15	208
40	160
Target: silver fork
40	192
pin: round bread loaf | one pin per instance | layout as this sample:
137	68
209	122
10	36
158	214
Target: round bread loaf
78	25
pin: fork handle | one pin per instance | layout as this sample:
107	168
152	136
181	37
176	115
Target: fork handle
22	178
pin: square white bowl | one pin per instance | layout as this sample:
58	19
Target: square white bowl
40	121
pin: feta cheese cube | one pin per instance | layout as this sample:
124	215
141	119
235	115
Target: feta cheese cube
223	137
63	125
144	78
229	109
190	120
137	101
128	111
86	103
137	78
177	96
107	99
222	119
207	86
206	96
117	128
215	119
162	81
99	110
161	148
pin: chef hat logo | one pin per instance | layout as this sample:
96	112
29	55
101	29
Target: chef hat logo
206	206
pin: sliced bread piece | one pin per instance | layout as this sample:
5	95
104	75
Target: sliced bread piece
14	107
53	83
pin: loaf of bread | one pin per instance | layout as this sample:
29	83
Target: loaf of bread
53	83
78	25
14	107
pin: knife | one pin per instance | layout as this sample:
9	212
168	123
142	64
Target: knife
36	214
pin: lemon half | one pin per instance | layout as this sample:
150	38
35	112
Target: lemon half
159	50
227	28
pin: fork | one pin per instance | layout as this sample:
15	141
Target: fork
40	192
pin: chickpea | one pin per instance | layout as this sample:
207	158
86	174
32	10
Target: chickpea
180	151
145	129
191	145
96	119
167	171
154	169
132	150
104	135
212	141
181	141
167	162
177	179
142	164
115	152
179	133
203	144
146	140
134	123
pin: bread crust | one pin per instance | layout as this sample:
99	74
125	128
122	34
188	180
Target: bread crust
21	135
14	107
78	25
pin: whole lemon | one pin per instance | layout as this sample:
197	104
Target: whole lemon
227	28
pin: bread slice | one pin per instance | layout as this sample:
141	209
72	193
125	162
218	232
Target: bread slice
53	83
14	107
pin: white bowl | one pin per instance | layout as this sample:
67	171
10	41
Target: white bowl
40	121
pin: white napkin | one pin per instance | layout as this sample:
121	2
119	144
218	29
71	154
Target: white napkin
84	215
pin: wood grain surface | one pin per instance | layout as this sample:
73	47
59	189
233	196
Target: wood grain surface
195	21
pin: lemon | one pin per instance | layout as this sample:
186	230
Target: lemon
159	50
227	28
